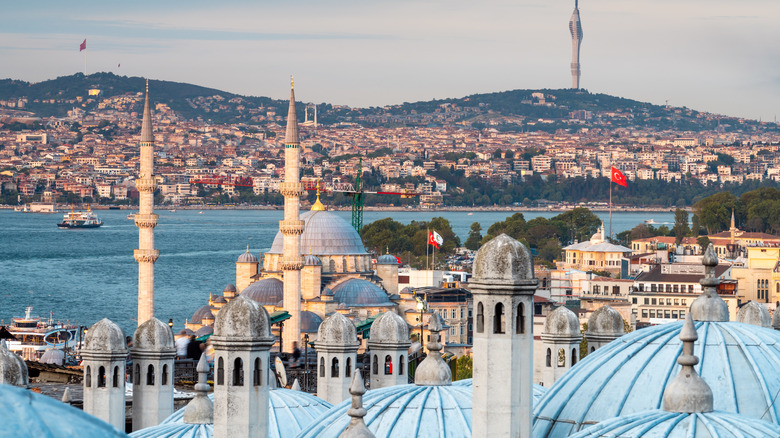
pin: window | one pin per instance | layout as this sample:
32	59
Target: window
334	367
654	301
682	314
115	380
596	289
480	318
652	313
375	365
220	372
647	300
633	300
667	314
348	367
573	356
652	288
676	289
388	365
561	357
257	376
101	377
462	312
615	290
641	287
454	313
674	314
137	373
322	367
401	365
549	358
164	376
520	323
676	301
88	376
498	318
644	313
238	372
150	375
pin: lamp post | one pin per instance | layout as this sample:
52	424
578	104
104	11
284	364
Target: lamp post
170	323
421	305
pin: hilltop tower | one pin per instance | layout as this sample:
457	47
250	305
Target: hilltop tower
145	219
575	27
292	228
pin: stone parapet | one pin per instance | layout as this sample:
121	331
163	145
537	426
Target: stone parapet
291	189
146	255
291	227
146	220
292	263
146	184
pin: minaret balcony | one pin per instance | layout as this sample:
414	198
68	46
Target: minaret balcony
293	227
291	189
146	184
146	255
146	220
292	263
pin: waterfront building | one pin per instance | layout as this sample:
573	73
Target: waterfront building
597	254
757	275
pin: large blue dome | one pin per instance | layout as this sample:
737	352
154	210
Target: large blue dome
630	374
357	292
324	233
268	291
538	391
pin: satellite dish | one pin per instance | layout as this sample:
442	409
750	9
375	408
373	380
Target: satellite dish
281	373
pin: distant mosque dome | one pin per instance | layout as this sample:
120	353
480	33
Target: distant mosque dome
247	257
310	322
387	259
357	292
311	260
267	291
220	300
324	233
203	312
229	288
629	375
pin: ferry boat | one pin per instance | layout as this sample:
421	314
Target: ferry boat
33	336
80	219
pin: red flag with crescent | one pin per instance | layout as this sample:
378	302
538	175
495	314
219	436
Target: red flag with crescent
618	178
83	46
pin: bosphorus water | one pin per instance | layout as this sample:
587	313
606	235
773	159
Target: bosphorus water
86	275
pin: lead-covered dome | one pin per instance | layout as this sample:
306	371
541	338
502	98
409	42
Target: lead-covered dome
104	335
312	260
538	391
324	233
387	259
389	329
267	291
337	330
357	292
754	313
630	374
242	318
310	322
247	257
605	321
153	335
203	312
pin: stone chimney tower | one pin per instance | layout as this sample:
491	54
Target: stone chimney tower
389	347
153	353
561	340
336	346
104	354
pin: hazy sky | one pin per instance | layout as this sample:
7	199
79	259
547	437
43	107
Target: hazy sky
721	56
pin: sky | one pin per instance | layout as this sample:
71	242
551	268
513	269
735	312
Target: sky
720	56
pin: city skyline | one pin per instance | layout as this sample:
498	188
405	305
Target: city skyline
715	56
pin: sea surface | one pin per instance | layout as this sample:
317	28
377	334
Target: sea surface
85	275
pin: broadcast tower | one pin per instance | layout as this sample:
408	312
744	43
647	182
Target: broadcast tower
575	27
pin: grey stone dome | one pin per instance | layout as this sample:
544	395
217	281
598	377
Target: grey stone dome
247	257
562	322
13	370
104	335
387	259
389	329
503	260
337	330
310	322
324	233
229	288
267	291
220	299
605	321
754	313
311	260
242	318
197	317
153	335
357	292
203	331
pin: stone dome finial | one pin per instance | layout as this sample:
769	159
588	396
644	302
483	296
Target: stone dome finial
432	371
296	386
688	393
153	335
357	427
200	410
562	322
13	370
709	306
503	261
242	318
389	329
66	395
337	330
106	336
754	313
605	321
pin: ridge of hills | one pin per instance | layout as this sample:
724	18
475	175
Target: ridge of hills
547	110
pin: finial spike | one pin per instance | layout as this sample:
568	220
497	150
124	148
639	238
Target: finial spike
147	86
688	393
296	386
292	82
66	395
200	410
357	427
432	371
247	248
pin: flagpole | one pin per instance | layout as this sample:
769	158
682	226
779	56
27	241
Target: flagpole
610	207
85	62
427	243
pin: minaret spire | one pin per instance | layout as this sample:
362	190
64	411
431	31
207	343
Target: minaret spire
575	27
145	219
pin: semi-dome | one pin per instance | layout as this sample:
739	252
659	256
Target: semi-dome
203	331
605	321
267	291
204	311
562	322
387	259
312	260
538	391
630	375
357	292
389	329
247	257
337	330
104	335
310	322
754	313
403	411
324	233
153	335
242	318
503	260
664	424
26	413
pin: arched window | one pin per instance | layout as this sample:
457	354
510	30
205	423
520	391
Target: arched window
480	318
375	365
164	375
88	376
401	361
388	365
257	377
498	319
332	264
220	372
334	367
137	373
322	367
150	375
344	264
561	357
549	358
520	323
238	372
101	377
115	379
348	368
592	349
573	356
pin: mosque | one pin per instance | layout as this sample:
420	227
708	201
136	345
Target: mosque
704	377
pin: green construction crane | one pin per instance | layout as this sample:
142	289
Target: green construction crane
357	201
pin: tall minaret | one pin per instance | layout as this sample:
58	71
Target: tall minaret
575	27
146	220
292	227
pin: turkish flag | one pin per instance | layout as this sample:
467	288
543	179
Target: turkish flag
618	178
83	46
432	240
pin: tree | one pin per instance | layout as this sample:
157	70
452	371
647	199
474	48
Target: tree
695	226
475	237
715	211
703	242
680	229
465	367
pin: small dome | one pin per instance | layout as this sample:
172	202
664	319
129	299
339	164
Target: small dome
357	292
247	257
389	329
754	313
13	370
324	233
203	331
310	322
503	260
230	288
242	318
104	335
605	321
664	424
197	317
562	322
153	335
27	414
267	291
311	260
220	300
387	259
336	329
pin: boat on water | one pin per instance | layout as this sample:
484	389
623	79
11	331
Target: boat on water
650	222
33	335
80	219
131	216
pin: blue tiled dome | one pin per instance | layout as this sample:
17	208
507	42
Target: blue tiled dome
630	374
27	414
267	291
387	259
324	233
538	391
357	292
404	411
663	424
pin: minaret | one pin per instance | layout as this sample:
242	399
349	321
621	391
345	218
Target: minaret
291	228
575	27
145	219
